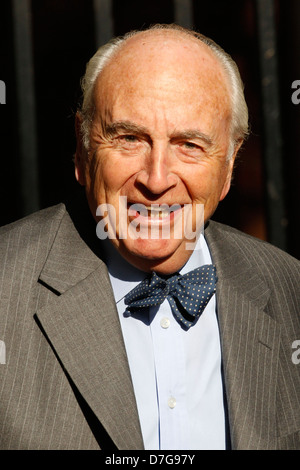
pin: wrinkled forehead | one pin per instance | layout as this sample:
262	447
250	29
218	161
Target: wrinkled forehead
159	57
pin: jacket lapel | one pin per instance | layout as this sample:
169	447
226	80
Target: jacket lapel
83	328
250	341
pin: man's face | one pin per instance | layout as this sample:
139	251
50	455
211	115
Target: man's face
160	135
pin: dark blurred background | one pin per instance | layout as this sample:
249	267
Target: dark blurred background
44	47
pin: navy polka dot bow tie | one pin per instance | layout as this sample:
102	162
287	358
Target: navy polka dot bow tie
188	295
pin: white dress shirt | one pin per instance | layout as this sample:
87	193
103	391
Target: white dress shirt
176	374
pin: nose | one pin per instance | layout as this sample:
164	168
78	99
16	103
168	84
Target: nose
157	176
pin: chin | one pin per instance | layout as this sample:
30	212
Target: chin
153	249
165	256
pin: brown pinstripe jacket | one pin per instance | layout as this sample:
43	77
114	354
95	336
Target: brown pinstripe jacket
66	381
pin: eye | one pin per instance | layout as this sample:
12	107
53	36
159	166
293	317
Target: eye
129	138
129	143
191	145
191	148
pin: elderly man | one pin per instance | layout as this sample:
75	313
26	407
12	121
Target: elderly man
139	323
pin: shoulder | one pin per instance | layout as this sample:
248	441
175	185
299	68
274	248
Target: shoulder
30	236
255	267
221	233
44	218
232	246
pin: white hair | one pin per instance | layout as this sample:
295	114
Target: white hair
239	118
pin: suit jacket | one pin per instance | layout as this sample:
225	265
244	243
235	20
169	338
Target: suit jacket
66	383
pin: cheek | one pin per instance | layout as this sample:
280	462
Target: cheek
206	184
107	175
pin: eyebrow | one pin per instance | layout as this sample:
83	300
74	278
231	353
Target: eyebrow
191	134
117	127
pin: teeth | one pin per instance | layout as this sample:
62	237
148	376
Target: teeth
159	212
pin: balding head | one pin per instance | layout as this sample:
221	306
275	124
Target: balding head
157	40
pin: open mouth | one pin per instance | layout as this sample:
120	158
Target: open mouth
154	212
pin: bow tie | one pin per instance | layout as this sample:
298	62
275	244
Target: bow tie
188	295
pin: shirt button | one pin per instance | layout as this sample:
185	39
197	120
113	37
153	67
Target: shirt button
171	402
165	322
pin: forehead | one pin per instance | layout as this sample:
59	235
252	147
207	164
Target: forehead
167	63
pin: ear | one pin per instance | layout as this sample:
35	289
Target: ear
230	166
80	154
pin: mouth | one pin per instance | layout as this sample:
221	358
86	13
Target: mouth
154	213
